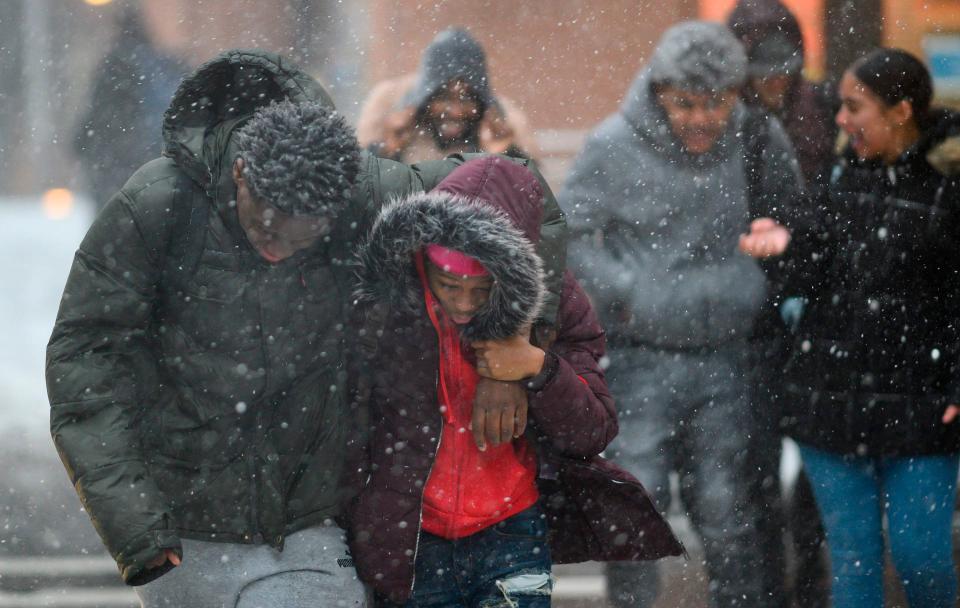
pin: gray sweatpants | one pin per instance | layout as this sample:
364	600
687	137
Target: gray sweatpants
314	569
689	413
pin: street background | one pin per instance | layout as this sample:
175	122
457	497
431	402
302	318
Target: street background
565	63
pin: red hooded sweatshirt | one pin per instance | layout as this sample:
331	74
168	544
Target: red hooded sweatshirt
469	490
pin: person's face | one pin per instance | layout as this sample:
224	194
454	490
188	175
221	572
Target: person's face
453	112
771	92
697	119
870	123
273	234
460	297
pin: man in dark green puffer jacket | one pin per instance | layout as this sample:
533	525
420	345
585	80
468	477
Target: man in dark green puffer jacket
198	392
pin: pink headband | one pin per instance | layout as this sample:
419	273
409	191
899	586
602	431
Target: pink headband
454	262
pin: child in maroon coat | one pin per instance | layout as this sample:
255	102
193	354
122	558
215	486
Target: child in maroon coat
441	520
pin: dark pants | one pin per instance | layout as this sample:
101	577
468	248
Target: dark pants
689	413
777	514
504	566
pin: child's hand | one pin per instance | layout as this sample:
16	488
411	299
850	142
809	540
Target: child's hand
508	360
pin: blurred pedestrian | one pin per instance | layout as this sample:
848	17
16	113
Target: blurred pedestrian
447	107
132	86
197	368
659	199
873	378
447	519
771	35
775	83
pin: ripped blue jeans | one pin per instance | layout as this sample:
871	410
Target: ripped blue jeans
505	566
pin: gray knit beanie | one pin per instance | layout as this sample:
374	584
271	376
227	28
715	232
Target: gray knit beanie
699	56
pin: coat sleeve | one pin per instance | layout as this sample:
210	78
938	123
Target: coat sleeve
98	365
569	400
782	197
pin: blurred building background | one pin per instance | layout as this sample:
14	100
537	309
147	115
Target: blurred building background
565	62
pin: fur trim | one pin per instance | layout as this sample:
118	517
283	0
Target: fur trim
386	271
945	157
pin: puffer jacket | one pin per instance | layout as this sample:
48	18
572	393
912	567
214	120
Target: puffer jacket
876	354
208	400
595	510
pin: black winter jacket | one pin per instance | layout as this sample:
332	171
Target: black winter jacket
875	360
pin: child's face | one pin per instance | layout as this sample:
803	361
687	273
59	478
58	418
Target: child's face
461	297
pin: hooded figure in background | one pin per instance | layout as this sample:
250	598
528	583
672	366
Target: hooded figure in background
771	35
447	107
132	87
439	520
677	205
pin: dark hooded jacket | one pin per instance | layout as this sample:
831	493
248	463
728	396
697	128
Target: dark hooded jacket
207	399
595	510
453	55
773	40
875	362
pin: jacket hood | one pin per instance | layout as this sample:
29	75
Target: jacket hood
698	56
771	35
453	55
220	96
644	113
941	143
489	209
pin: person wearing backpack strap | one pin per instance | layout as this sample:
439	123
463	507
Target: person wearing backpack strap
672	222
197	368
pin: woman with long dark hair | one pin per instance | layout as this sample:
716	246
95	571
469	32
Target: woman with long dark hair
874	374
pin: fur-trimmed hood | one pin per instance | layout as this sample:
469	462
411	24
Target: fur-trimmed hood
489	209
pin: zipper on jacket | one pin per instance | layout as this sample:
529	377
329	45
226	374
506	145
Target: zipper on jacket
416	547
254	497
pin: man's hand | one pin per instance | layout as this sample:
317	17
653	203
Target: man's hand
767	238
508	360
168	554
950	414
499	412
496	135
397	132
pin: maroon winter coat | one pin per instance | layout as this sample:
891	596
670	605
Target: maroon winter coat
596	511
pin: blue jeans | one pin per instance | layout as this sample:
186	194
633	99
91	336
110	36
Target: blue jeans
917	495
504	566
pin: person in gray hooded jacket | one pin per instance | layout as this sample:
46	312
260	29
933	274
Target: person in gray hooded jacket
677	207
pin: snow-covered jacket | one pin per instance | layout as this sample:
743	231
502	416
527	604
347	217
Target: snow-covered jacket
655	229
595	510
